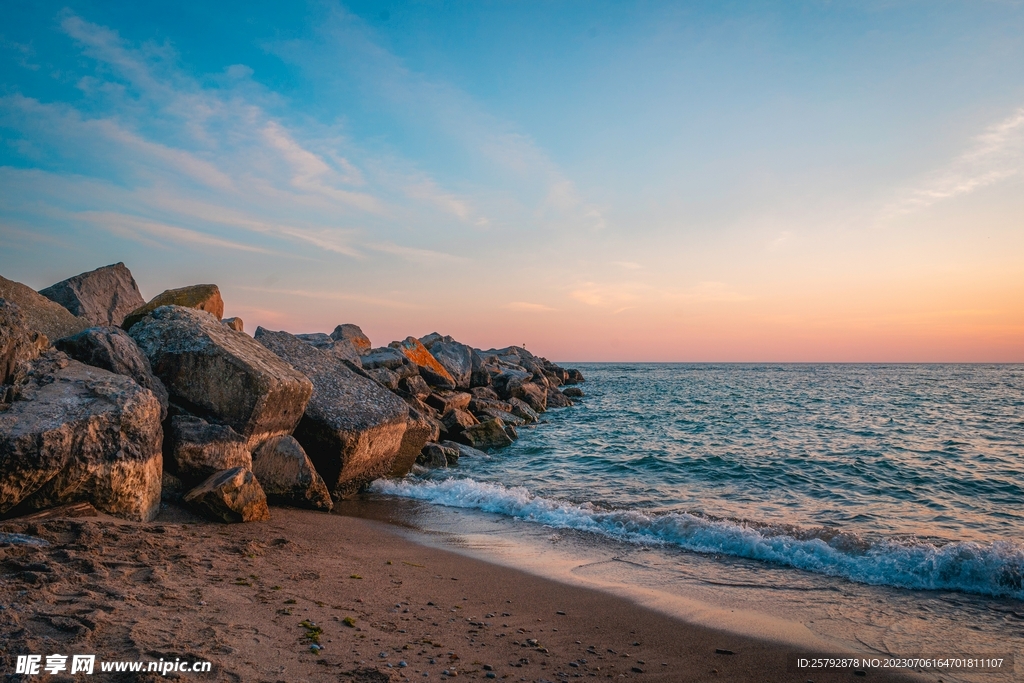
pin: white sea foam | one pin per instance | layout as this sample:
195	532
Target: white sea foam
995	569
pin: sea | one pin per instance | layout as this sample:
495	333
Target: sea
840	507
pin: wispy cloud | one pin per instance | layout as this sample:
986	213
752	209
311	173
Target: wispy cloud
997	155
141	229
413	254
527	307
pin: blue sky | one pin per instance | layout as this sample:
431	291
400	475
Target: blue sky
644	181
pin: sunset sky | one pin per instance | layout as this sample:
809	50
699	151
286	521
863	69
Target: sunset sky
735	181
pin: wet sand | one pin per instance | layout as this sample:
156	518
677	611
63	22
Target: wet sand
254	598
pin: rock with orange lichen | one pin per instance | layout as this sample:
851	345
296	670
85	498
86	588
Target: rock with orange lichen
429	368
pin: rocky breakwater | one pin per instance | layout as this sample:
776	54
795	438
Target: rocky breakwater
167	400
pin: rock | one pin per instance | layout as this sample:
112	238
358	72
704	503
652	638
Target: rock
443	401
232	495
573	376
79	433
486	393
343	349
534	395
453	356
40	314
522	409
352	428
419	430
112	349
391	359
200	297
414	386
429	368
353	335
456	420
556	399
384	377
103	296
506	380
464	450
485	436
436	455
287	474
510	430
223	376
195	449
18	344
235	324
573	392
510	419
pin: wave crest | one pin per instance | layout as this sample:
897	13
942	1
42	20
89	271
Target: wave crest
996	569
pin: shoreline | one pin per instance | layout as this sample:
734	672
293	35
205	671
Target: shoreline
236	595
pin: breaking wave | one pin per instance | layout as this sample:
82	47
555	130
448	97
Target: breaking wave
995	569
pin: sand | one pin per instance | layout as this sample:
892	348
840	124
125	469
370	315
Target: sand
253	598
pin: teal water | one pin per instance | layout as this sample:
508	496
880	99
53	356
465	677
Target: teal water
900	475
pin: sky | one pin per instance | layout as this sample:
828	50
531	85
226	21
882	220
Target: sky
645	181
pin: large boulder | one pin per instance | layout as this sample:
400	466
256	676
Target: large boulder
79	433
429	368
419	430
112	349
556	399
232	495
196	449
487	435
103	296
221	375
453	356
443	401
350	333
287	475
352	428
437	456
535	395
573	376
18	344
41	314
200	297
389	359
456	421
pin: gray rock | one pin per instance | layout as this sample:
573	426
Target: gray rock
437	456
533	394
79	433
234	323
352	428
464	450
18	344
199	297
40	314
287	475
522	409
384	377
573	392
429	368
390	359
103	296
505	381
343	348
414	386
195	449
573	376
353	335
510	419
455	421
171	488
455	357
223	376
443	401
231	496
556	399
112	349
486	436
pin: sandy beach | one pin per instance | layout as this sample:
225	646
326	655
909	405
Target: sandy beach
253	598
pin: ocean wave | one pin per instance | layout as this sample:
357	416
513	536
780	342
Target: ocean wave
995	569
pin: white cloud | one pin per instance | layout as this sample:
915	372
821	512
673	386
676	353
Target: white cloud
141	229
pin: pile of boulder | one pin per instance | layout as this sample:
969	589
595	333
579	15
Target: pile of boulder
108	399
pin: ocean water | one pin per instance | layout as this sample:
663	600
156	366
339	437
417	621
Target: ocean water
909	477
